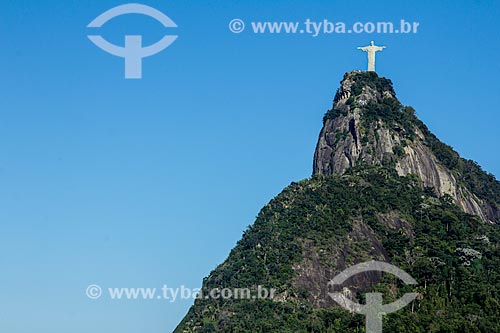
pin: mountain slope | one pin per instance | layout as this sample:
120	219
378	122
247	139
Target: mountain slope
368	125
383	188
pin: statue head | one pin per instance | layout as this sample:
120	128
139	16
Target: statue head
372	43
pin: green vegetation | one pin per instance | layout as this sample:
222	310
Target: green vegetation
369	212
399	117
334	113
372	81
458	295
483	184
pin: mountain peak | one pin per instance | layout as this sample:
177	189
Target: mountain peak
367	125
356	80
385	189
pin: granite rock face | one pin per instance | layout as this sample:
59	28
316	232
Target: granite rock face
359	207
350	137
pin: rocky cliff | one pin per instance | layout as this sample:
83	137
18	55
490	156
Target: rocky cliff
368	125
384	188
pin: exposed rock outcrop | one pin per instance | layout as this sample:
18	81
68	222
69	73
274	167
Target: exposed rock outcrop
359	207
364	127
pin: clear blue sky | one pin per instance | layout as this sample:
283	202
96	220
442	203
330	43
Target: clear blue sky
138	183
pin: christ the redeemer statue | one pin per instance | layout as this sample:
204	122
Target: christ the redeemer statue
371	49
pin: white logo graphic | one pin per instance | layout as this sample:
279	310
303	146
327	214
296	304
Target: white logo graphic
374	308
237	26
133	52
94	291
